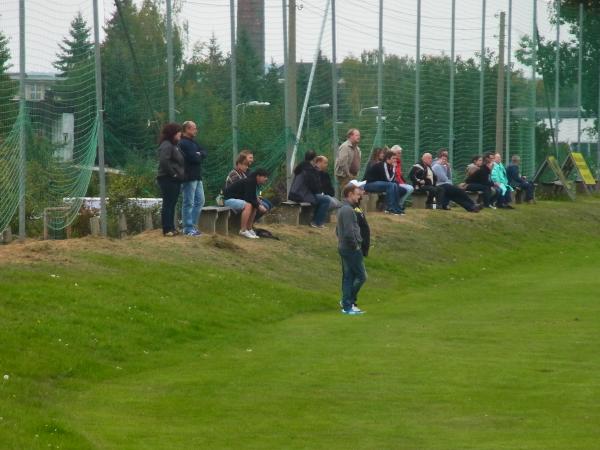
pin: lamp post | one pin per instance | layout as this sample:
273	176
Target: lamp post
321	106
370	108
236	128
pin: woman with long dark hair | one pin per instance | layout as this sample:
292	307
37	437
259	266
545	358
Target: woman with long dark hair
170	174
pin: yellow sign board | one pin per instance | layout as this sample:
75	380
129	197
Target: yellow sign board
584	171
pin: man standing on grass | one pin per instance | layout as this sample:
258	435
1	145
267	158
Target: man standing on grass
193	190
350	248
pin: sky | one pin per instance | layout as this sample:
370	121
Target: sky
357	26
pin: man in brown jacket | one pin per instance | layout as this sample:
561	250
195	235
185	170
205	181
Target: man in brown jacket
347	164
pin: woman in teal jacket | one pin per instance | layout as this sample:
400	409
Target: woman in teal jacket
501	182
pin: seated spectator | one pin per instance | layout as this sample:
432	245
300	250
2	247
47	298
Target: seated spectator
423	179
397	151
517	181
241	170
306	188
503	198
380	177
443	172
478	179
476	162
242	196
376	156
321	164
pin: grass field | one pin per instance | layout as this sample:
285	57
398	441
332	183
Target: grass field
481	332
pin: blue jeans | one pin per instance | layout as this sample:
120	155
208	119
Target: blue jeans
321	208
354	276
193	201
392	193
409	190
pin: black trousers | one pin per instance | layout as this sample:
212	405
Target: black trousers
170	188
487	192
458	196
527	187
434	191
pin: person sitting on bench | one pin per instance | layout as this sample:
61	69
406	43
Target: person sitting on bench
242	196
423	179
500	180
443	173
321	164
478	179
241	170
397	151
306	188
380	177
517	181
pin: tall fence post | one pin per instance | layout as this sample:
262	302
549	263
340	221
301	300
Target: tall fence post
234	117
508	81
22	142
557	79
379	136
500	90
170	68
100	119
334	87
292	88
452	70
580	77
418	85
533	90
482	77
286	105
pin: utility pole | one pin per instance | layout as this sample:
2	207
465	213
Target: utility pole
500	90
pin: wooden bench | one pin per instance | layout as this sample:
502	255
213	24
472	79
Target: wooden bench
292	213
216	219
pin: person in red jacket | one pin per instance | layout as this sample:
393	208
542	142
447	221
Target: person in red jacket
397	151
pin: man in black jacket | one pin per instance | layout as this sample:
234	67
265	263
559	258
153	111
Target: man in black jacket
424	179
193	190
380	177
242	196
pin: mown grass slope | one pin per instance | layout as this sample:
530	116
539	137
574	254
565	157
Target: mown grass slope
481	332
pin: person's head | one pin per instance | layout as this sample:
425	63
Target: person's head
443	158
310	155
352	194
516	160
477	160
189	129
497	158
489	157
377	154
241	162
443	152
171	132
321	163
261	176
249	156
389	157
427	158
353	136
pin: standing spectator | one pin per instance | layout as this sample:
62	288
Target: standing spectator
500	180
423	179
321	164
242	196
170	175
380	177
347	164
397	150
306	187
192	187
350	240
443	173
517	181
479	179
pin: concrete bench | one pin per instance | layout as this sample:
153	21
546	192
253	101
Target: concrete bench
292	213
369	201
418	199
215	219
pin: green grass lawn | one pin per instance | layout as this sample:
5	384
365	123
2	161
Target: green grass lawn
481	332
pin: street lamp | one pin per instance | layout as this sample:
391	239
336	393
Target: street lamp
370	108
235	122
321	106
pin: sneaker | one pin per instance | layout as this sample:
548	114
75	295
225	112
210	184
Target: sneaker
253	233
169	234
393	212
314	225
357	309
351	312
247	234
194	233
491	207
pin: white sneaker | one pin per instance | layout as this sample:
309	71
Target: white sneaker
253	233
356	309
247	234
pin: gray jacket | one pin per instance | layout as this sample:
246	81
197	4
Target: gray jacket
170	161
347	229
344	159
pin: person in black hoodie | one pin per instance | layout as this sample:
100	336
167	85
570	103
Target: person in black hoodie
192	187
242	196
480	179
170	175
424	179
321	163
306	188
380	177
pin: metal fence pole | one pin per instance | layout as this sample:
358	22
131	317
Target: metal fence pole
100	119
557	78
378	139
580	77
234	117
22	143
418	85
334	85
533	89
170	68
482	77
452	69
508	81
286	105
500	90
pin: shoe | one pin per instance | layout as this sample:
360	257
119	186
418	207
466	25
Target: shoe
169	234
194	233
393	212
491	207
247	234
357	309
253	233
351	312
475	209
314	225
